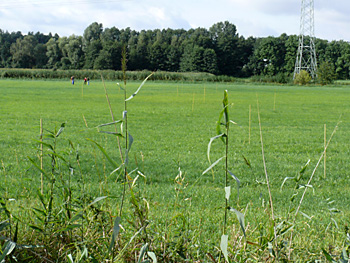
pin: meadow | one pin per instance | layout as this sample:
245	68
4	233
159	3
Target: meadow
173	212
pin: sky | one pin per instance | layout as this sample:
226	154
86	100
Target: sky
257	18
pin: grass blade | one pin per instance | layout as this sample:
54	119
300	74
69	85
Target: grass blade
143	252
211	166
110	123
135	93
104	153
9	246
240	217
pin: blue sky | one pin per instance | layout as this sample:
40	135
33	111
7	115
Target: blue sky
257	18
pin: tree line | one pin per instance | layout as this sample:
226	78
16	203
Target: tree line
218	50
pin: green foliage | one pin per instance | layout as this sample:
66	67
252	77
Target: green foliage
302	78
184	216
326	73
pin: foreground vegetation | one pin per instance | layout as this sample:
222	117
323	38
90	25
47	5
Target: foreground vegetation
162	206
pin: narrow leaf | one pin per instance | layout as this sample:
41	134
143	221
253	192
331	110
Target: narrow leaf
98	199
60	130
305	215
219	123
70	258
131	140
36	165
328	256
211	141
69	227
116	229
135	93
152	256
110	123
240	217
285	179
211	166
113	133
302	171
143	252
224	245
225	104
104	153
237	181
4	224
227	192
7	250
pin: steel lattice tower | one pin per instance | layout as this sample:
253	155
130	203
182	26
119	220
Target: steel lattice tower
306	56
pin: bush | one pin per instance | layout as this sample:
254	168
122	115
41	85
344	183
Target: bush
302	78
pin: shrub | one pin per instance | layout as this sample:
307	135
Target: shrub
302	78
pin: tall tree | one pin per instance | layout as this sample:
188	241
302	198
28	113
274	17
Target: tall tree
53	53
224	36
23	54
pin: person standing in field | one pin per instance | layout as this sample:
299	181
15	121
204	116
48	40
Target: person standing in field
72	79
85	81
88	80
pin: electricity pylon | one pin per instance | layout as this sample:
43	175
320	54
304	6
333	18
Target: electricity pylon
306	55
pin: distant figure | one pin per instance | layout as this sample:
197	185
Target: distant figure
85	81
72	79
88	81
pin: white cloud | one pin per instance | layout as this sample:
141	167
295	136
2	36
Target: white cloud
252	17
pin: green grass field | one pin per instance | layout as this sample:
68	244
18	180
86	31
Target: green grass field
171	124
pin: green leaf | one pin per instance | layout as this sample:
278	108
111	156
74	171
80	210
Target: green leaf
110	123
344	256
227	192
9	246
211	141
44	144
60	130
116	229
211	166
143	252
152	256
69	227
4	224
36	228
225	104
305	215
285	179
131	140
237	181
328	256
240	217
224	245
70	257
15	236
302	171
104	153
98	199
36	165
219	123
135	93
112	133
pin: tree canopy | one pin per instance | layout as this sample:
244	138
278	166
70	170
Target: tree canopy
219	50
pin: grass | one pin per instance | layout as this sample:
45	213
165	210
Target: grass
171	124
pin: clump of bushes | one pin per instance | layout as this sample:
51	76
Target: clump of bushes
110	75
302	78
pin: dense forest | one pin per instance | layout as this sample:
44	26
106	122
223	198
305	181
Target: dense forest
219	50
